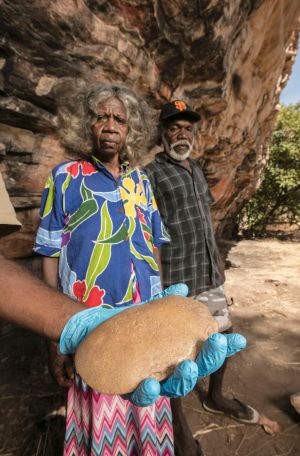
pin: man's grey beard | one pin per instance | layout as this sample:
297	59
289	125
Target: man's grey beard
170	149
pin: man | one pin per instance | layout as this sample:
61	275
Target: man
184	200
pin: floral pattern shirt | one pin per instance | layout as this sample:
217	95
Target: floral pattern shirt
103	230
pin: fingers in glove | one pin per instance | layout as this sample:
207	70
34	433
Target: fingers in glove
212	354
145	394
235	343
178	289
182	381
81	324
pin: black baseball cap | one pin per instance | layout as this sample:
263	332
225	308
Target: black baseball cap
178	109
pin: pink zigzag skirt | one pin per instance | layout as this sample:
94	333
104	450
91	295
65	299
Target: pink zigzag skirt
101	425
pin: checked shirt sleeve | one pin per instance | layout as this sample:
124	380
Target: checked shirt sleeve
160	233
49	235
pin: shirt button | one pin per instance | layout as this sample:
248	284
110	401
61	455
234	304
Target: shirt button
116	184
121	210
126	238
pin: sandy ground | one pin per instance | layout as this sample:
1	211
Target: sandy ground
265	295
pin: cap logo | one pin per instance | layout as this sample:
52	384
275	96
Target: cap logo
180	105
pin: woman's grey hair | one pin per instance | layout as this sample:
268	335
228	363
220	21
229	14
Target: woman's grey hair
79	113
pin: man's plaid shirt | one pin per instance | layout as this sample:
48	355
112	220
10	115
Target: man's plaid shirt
184	200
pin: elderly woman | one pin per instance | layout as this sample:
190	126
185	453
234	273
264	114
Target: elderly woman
99	218
99	237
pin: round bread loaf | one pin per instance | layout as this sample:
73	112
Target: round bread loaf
143	341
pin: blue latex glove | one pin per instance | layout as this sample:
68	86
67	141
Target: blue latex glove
179	384
235	343
186	374
214	351
81	324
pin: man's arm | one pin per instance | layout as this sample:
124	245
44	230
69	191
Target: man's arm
27	301
24	299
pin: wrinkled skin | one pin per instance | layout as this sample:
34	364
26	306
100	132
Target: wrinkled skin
110	130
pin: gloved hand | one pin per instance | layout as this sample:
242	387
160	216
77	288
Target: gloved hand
214	351
182	381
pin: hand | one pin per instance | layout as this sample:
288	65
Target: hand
187	373
61	367
215	350
212	356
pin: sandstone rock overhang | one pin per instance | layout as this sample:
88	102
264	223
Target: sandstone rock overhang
230	59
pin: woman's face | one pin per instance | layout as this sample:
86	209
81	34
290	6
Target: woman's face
110	129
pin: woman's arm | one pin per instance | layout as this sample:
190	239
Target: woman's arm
50	271
156	254
61	367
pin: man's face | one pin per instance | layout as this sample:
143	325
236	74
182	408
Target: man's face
178	138
110	129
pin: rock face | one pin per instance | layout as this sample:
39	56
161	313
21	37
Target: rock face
230	59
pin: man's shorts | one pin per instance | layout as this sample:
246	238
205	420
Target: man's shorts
216	301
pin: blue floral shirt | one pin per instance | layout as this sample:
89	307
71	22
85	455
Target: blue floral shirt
103	230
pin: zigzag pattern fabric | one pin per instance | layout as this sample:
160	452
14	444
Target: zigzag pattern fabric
101	425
